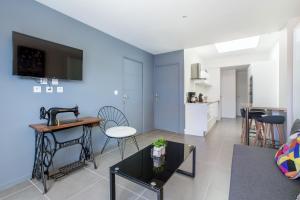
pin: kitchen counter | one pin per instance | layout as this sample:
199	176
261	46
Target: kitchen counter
201	117
207	102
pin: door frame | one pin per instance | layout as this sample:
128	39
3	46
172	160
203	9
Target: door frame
123	89
238	112
177	64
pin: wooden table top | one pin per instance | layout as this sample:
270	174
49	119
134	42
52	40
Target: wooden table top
270	108
250	106
43	128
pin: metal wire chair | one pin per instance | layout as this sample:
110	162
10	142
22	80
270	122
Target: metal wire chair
113	117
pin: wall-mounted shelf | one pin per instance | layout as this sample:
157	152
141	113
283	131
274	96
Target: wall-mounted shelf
202	82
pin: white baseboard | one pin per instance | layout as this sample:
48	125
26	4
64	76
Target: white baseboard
194	132
14	182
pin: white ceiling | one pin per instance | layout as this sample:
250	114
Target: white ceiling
157	26
265	45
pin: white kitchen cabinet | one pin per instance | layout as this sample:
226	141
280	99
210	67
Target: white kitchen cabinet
200	117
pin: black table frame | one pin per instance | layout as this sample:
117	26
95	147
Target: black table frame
159	191
46	146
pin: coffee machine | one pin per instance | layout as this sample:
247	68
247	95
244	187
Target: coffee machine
191	97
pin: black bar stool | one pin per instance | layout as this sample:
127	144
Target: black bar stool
253	115
267	127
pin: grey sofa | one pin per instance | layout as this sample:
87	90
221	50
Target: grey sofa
255	176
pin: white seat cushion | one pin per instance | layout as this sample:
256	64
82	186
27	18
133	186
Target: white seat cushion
120	131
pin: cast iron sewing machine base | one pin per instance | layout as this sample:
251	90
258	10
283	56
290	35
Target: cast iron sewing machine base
47	145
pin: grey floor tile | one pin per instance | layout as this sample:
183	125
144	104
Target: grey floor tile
30	193
100	191
181	187
69	185
216	194
14	189
104	162
133	187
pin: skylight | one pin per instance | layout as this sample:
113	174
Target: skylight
236	45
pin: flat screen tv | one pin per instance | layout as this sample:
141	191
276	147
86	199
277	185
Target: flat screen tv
34	57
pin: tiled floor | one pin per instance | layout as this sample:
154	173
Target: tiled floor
214	153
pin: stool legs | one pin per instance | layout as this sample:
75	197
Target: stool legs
268	132
280	134
243	135
258	135
265	130
272	134
243	131
258	129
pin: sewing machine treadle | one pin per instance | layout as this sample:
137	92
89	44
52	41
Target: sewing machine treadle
46	146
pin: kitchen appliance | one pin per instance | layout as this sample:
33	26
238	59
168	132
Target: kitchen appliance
200	99
197	73
51	115
191	97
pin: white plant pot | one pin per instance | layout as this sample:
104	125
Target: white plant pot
159	151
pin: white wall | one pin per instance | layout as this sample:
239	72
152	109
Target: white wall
228	93
190	56
283	69
265	81
237	60
275	57
292	27
213	91
296	74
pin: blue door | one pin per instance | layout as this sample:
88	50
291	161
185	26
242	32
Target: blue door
133	92
167	94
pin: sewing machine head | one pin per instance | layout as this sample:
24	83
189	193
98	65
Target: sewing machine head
51	114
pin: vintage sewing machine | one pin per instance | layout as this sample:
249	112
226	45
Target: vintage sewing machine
47	144
51	115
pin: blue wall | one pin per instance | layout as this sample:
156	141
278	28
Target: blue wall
102	75
176	57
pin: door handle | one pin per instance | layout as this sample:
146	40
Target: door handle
156	96
124	98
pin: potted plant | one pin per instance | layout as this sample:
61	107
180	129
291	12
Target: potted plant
159	147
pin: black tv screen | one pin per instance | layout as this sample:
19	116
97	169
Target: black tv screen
39	58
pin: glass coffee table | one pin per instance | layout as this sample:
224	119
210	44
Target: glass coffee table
151	172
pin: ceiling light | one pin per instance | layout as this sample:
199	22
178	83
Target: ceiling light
236	45
184	16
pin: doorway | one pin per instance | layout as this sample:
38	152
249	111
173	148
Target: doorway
228	93
132	96
234	90
167	98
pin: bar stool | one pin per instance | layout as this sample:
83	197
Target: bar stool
253	115
267	127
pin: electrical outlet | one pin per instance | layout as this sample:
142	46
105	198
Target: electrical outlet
60	89
37	89
49	89
43	81
54	81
